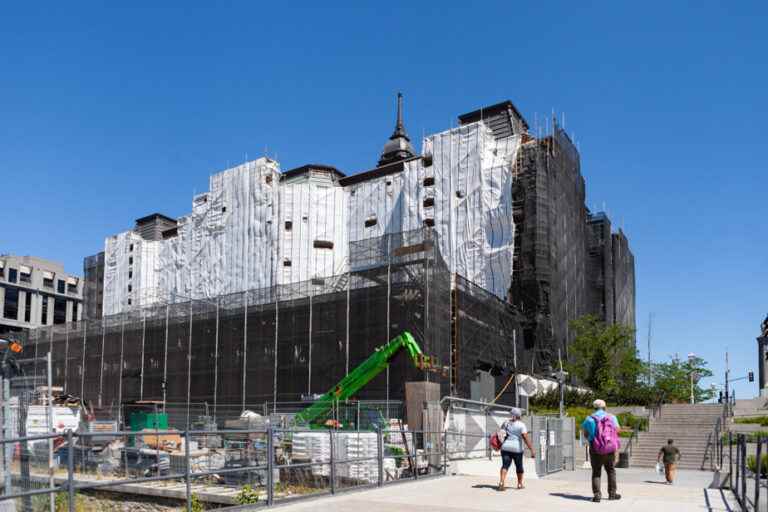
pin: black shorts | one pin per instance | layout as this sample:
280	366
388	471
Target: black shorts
508	457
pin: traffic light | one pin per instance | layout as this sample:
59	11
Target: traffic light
751	376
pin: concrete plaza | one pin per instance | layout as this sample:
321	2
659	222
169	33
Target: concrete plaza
641	489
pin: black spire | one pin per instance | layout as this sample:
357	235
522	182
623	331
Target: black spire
399	145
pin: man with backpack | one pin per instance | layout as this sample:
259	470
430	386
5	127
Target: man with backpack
602	431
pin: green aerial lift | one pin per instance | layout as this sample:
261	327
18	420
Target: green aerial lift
316	414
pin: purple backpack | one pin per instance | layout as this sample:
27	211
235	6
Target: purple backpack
606	435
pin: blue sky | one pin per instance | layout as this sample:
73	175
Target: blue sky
110	113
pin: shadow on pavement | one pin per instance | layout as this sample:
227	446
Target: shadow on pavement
566	496
655	482
485	486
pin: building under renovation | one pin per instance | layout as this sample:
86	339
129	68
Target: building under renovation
277	283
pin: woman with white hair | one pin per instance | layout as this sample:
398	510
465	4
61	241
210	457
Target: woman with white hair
512	448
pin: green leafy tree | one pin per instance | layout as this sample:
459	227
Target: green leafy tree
673	379
604	357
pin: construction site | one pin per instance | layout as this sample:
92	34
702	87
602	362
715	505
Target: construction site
305	331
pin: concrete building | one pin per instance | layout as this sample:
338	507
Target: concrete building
35	292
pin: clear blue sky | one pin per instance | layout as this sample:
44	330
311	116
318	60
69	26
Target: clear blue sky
110	113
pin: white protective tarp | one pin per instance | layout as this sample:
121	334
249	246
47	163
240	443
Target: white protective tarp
471	203
312	212
238	238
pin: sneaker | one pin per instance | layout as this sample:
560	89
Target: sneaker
596	499
614	497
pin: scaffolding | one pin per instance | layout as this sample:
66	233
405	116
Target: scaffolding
288	343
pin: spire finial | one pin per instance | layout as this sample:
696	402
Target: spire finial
399	145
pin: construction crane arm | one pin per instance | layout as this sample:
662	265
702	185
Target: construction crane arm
350	385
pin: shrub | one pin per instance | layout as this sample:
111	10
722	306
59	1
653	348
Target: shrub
247	496
196	504
629	420
752	465
757	420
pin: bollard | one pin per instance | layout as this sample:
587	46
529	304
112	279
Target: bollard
70	471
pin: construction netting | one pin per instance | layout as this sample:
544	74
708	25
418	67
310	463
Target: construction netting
292	342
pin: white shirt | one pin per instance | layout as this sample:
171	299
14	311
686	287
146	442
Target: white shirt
514	441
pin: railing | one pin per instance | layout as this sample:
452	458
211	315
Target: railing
748	472
279	464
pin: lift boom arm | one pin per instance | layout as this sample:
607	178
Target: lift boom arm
362	375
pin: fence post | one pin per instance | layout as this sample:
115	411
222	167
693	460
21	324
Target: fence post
757	473
333	461
7	447
730	460
70	471
187	479
445	452
270	467
380	453
744	473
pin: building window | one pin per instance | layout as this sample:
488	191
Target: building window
129	302
427	159
429	222
12	275
429	181
371	221
74	311
60	286
44	311
286	263
429	202
11	307
130	248
323	244
130	288
25	275
223	209
2	269
48	282
130	274
130	260
288	225
71	288
59	311
28	307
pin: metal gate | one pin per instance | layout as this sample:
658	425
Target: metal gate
553	438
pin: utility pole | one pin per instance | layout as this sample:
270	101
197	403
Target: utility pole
727	386
650	370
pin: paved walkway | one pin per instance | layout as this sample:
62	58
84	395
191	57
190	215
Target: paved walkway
642	491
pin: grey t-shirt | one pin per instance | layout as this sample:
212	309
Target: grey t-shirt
514	441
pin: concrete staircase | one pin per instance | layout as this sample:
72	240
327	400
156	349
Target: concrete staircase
689	425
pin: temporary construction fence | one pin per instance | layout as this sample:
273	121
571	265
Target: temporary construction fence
279	465
470	424
292	342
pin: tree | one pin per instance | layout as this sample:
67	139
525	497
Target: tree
604	357
673	379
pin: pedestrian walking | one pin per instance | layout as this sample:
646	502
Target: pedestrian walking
602	431
670	456
512	450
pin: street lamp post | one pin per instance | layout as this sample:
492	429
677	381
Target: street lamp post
691	359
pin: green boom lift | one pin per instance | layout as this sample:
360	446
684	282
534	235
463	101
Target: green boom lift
316	414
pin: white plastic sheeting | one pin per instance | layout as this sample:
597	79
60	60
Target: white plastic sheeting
253	231
313	212
469	201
